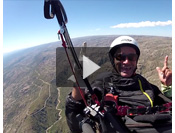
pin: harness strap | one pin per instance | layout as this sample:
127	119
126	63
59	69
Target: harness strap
112	100
141	88
140	110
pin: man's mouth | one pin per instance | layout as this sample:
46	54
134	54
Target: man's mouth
125	69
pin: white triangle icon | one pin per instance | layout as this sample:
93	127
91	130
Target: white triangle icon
71	78
88	67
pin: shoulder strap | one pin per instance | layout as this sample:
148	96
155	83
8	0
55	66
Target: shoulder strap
146	94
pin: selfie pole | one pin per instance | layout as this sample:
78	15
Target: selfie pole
52	8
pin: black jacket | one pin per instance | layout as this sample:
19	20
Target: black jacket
128	90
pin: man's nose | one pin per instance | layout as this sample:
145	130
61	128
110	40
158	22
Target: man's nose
126	60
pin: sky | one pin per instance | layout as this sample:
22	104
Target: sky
24	24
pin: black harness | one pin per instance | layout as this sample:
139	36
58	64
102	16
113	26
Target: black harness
112	93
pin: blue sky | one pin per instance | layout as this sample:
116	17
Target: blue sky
24	24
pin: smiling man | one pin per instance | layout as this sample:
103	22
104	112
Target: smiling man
124	54
126	61
132	90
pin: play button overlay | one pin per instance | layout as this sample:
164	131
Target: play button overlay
89	67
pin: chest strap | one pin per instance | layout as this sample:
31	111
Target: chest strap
149	110
112	100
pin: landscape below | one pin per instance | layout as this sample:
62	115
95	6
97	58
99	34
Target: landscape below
31	100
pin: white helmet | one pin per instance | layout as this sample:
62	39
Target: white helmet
120	42
123	41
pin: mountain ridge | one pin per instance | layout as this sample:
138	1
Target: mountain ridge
30	76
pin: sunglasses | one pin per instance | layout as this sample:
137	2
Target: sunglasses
130	57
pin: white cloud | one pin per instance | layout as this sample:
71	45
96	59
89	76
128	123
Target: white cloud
142	24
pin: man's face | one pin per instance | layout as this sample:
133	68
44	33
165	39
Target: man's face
126	61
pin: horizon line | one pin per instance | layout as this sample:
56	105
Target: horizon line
18	49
